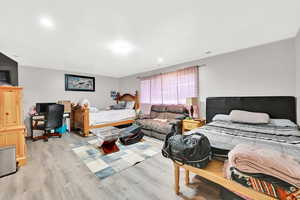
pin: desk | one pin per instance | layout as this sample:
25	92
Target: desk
40	119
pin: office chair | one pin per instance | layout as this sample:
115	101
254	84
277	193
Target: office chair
53	119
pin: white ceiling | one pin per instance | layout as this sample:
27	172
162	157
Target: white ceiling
175	30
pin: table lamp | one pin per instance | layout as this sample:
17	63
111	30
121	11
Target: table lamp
192	101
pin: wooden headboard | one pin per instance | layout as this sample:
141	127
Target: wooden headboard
80	115
129	97
278	107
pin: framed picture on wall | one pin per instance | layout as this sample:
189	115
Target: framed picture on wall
79	83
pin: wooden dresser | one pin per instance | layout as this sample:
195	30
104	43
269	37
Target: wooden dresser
12	129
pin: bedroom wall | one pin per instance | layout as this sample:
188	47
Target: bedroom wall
46	85
263	70
297	48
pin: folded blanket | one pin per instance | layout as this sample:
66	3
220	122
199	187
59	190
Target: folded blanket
258	159
267	185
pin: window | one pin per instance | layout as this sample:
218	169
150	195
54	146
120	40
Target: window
170	88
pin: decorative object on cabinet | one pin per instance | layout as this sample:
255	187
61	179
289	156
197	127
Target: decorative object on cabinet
79	83
192	101
12	129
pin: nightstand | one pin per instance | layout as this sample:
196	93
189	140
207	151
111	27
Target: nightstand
189	124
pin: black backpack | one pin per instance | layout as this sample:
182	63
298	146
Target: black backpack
194	149
131	135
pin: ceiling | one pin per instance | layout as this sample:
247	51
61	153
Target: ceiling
79	36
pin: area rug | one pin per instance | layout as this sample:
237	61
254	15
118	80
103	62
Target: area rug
104	166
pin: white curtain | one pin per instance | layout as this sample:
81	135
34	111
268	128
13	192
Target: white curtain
169	88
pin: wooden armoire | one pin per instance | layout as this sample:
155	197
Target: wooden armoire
12	128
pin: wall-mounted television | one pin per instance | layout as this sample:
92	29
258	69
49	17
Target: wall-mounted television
8	71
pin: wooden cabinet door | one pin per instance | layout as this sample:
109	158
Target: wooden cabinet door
1	111
15	138
11	108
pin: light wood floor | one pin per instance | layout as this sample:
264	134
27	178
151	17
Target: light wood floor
55	172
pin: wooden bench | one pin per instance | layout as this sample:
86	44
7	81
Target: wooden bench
214	172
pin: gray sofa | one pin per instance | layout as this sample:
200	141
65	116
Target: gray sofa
162	120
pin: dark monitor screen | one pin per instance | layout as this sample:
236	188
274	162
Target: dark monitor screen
5	77
41	107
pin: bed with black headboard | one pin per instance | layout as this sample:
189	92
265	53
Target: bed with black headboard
226	135
281	107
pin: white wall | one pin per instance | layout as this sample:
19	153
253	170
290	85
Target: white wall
46	85
297	48
263	70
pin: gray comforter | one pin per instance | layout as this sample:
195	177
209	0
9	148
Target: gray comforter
226	135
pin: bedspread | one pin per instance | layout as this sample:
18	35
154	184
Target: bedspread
226	135
108	116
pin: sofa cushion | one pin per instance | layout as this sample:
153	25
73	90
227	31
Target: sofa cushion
179	109
158	111
158	135
147	132
176	112
155	125
169	115
158	108
157	115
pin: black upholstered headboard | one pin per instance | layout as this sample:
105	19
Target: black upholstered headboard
280	107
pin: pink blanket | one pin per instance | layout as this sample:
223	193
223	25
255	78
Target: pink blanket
258	159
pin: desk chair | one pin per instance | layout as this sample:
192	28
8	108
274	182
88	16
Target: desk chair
53	119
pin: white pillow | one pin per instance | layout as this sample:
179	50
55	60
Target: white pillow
130	104
221	117
242	116
82	102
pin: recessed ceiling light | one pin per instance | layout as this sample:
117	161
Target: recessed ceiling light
46	22
121	47
160	60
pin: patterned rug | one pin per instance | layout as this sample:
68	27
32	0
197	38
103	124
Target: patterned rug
104	166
